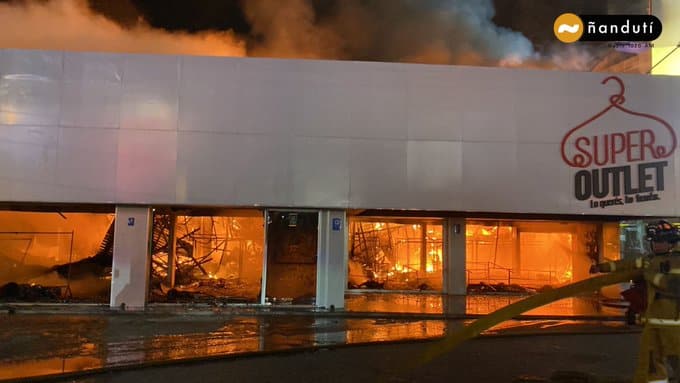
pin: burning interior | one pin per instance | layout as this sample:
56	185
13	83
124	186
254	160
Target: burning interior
200	255
53	257
526	256
207	257
501	256
394	254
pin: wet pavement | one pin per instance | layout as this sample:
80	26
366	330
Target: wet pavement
43	340
33	345
440	304
38	345
484	360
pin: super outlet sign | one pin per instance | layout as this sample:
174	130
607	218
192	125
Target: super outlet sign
619	167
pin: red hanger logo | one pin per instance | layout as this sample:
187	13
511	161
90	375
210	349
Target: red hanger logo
582	151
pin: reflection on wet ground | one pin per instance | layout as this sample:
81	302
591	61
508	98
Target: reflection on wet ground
37	345
470	304
34	345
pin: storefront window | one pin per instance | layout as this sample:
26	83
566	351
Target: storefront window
525	256
633	236
55	256
611	241
633	243
395	254
216	257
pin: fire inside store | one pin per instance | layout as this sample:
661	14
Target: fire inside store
67	257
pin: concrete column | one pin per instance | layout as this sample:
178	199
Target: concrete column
331	275
454	257
130	276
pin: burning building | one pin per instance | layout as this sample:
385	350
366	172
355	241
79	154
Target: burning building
265	181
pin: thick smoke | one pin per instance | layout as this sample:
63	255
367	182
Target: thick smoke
289	29
423	31
417	31
70	25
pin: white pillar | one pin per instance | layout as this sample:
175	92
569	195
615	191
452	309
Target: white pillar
331	275
454	260
130	276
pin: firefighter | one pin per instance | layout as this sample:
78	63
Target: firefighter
661	273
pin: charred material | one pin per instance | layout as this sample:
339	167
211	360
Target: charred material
205	259
498	288
395	255
30	292
187	264
98	265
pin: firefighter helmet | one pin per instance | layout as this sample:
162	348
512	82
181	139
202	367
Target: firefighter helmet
663	231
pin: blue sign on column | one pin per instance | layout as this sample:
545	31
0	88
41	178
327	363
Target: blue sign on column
337	224
131	221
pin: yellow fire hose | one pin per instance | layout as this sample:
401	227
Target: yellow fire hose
454	339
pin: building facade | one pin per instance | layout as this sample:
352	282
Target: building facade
297	180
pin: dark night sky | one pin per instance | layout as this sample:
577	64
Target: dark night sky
530	17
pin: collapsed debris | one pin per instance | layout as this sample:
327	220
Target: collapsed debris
86	279
204	259
485	288
395	255
12	292
98	265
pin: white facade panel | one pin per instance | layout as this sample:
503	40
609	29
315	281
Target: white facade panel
542	184
91	90
434	173
432	114
91	104
378	174
262	170
208	94
332	106
210	176
28	154
320	172
491	168
86	164
268	98
244	132
146	169
150	97
30	88
91	66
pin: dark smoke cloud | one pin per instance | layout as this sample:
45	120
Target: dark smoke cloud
420	31
428	31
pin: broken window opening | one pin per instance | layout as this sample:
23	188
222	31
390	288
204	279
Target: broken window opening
528	256
213	258
55	257
394	254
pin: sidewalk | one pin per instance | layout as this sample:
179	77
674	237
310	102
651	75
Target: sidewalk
46	340
482	360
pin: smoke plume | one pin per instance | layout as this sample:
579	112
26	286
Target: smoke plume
71	25
421	31
416	31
